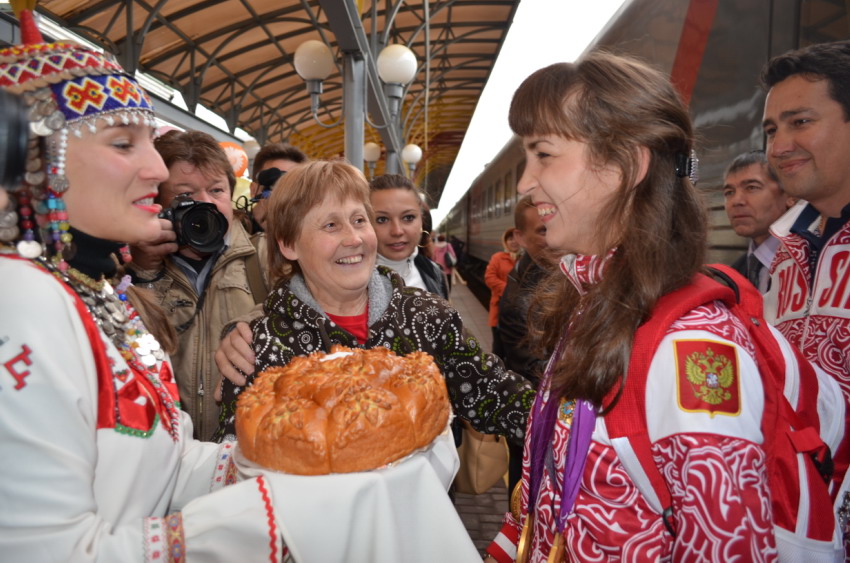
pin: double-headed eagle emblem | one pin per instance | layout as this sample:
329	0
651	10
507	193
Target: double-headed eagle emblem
710	375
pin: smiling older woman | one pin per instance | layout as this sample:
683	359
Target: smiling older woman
329	291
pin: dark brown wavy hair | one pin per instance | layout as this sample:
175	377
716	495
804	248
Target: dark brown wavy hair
619	107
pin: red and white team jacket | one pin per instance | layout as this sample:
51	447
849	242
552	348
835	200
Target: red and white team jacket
706	445
812	308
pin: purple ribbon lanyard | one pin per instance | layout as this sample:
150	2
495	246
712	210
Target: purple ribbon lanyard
543	428
584	421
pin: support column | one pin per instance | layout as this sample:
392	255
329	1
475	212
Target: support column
354	107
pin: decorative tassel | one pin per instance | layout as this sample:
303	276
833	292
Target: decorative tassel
28	246
23	10
58	227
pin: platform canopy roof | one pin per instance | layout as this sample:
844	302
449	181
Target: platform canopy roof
235	57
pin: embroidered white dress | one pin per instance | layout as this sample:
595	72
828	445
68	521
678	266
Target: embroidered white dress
99	463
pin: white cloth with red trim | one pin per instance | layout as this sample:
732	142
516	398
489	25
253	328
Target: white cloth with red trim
397	513
72	490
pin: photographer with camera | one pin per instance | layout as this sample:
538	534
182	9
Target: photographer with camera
203	267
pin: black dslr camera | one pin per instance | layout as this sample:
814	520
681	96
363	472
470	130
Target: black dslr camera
198	225
14	132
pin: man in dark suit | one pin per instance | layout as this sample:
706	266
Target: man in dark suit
754	200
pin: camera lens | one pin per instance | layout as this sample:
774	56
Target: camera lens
14	129
203	227
267	179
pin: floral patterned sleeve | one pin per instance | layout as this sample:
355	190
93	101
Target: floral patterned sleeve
492	398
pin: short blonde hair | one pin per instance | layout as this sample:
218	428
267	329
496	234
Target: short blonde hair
296	193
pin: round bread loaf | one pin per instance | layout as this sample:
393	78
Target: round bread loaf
351	410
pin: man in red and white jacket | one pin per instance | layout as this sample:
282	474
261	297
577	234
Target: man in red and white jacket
807	125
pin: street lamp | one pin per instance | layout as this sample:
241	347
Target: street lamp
314	62
411	154
371	154
396	67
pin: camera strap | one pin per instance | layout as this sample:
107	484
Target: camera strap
207	273
256	281
198	306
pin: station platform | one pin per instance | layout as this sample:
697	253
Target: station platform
481	514
474	315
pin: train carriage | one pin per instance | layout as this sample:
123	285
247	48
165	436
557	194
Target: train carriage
713	51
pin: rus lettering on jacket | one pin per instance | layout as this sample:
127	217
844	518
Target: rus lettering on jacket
792	292
835	289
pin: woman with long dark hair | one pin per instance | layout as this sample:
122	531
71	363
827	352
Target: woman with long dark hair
609	153
400	227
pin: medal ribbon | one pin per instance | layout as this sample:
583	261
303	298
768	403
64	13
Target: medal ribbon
542	431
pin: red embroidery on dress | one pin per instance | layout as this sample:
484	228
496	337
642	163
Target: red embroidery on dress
176	542
18	376
231	475
154	539
261	483
225	469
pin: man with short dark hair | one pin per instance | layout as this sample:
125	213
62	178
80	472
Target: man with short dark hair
753	200
807	124
514	309
281	156
514	304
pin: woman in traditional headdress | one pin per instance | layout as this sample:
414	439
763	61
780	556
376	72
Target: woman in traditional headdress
98	459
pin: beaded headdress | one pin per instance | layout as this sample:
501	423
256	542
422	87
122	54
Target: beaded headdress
66	87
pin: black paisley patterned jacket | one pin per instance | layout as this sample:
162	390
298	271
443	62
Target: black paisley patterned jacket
403	319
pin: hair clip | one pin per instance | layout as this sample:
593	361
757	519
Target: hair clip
688	166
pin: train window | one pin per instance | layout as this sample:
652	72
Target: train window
510	192
490	190
498	198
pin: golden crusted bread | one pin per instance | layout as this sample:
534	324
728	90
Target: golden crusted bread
351	410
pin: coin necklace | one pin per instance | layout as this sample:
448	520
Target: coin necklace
110	312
